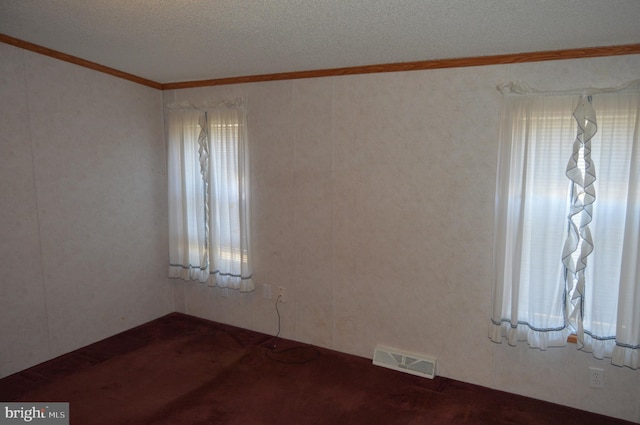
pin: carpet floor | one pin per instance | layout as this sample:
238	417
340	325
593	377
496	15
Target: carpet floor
183	370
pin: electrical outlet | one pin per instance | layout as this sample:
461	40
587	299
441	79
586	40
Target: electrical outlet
282	294
266	292
596	377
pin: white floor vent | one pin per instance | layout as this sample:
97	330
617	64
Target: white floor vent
414	364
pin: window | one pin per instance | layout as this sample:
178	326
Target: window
208	170
566	251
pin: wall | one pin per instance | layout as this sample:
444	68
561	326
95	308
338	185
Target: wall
372	204
373	201
82	208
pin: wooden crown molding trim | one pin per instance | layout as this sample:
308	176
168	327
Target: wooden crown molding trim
77	61
589	52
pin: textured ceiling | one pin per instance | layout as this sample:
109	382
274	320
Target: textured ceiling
186	40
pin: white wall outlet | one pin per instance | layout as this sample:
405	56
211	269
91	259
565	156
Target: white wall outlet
596	377
266	292
282	294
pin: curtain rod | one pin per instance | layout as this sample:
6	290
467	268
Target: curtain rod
206	105
524	89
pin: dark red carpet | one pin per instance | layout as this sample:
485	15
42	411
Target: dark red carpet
184	370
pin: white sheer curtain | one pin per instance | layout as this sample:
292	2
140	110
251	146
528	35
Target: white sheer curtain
595	295
531	204
208	171
612	302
